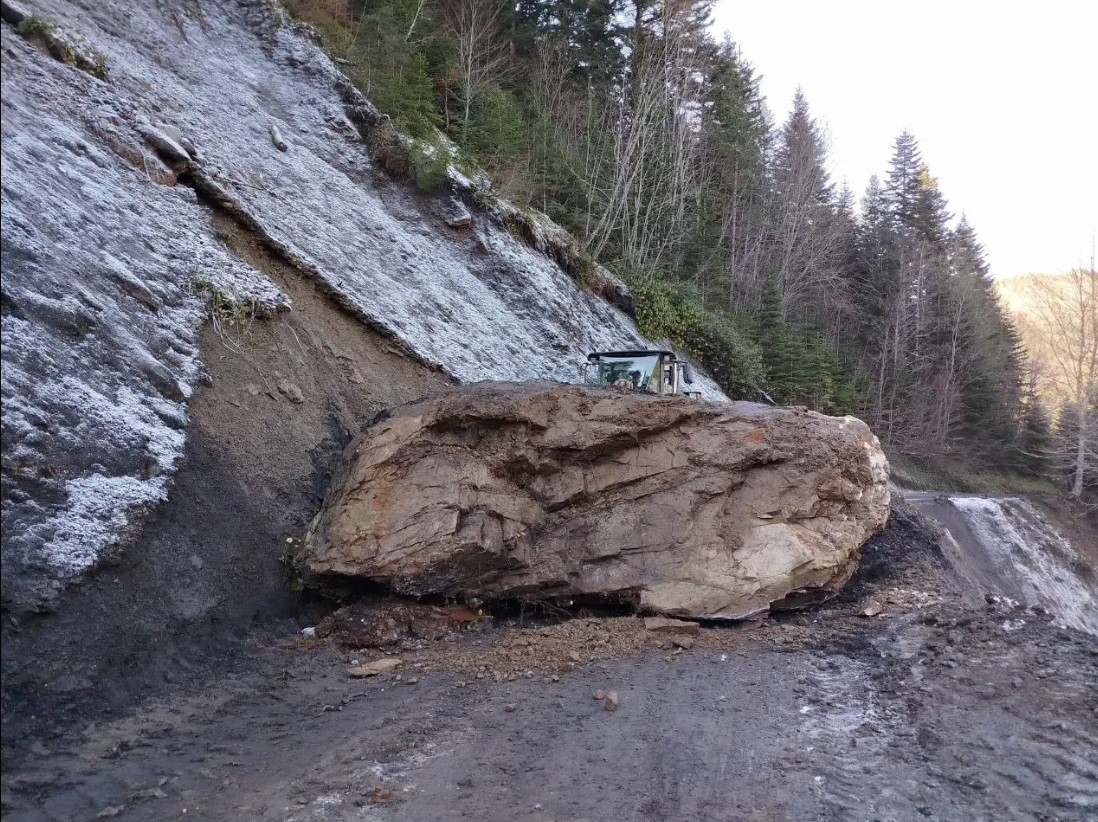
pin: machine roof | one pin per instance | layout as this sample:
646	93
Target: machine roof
640	352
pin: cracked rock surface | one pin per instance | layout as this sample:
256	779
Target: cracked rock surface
502	490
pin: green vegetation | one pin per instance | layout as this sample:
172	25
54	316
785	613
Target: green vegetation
668	311
44	32
429	161
224	308
630	126
34	25
98	66
964	477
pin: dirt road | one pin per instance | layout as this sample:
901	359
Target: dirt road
929	708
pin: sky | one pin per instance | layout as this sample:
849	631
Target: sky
1002	98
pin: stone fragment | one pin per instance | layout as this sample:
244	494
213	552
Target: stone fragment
612	701
684	642
278	140
457	215
380	795
291	391
150	793
168	149
387	623
189	147
666	625
378	666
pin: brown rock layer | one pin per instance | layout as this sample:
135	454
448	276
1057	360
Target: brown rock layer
504	490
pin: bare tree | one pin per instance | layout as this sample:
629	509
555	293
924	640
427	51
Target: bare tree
652	163
1062	326
482	52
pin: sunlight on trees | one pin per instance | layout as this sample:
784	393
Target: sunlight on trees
627	123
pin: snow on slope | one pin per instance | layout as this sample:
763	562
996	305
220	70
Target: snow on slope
100	254
1040	566
1004	546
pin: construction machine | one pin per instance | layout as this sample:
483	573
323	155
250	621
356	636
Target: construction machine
652	371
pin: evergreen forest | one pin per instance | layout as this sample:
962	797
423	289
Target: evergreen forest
631	125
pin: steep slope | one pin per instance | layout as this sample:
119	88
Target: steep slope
195	321
1005	547
103	246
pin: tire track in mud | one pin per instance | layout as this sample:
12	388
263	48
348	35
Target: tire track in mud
847	721
976	721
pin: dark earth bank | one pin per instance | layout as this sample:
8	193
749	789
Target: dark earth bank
894	701
282	398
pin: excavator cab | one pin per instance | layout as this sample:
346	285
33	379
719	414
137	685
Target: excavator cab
655	372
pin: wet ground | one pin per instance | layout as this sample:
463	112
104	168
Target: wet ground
896	701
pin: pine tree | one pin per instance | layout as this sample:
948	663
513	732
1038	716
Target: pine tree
929	215
903	178
806	234
876	290
1034	449
992	375
801	157
737	133
389	61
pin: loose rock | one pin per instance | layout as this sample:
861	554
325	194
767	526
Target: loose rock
457	215
380	795
278	140
150	793
387	624
500	490
665	625
291	391
169	150
612	702
378	666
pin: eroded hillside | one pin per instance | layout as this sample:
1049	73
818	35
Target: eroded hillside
110	258
209	286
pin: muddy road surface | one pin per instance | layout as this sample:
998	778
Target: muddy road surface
899	700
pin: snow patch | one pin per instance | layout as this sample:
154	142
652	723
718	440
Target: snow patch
1025	549
98	508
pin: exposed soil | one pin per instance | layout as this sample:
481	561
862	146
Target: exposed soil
927	709
283	399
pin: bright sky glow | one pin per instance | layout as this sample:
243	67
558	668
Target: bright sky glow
1002	97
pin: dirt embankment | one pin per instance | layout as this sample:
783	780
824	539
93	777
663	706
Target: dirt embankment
266	430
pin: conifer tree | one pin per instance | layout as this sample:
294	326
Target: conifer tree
806	234
627	123
902	186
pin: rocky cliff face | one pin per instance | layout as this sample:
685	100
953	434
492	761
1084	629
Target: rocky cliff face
114	161
504	490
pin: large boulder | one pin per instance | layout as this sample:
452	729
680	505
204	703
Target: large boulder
687	508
